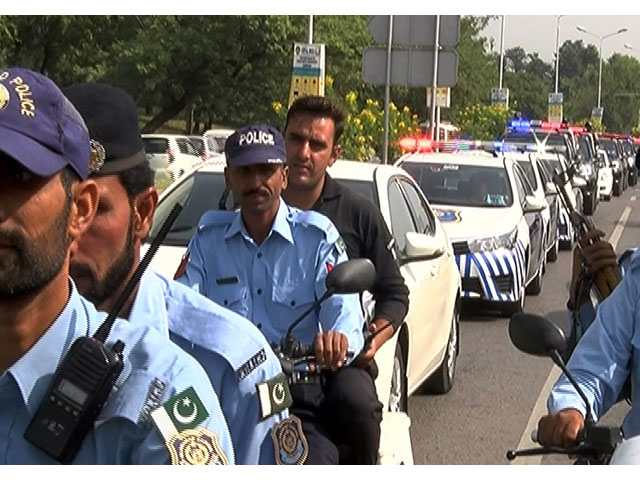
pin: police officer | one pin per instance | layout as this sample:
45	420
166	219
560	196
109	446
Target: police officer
160	407
269	262
312	133
106	256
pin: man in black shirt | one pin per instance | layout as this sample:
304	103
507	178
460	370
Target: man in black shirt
312	132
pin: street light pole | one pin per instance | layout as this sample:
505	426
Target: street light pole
557	48
601	37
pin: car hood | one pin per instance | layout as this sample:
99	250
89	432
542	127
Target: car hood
462	223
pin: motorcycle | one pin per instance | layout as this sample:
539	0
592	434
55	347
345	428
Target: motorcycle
536	335
352	276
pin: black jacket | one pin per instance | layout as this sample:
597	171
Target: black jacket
366	235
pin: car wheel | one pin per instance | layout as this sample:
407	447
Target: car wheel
398	401
507	309
535	287
552	255
442	379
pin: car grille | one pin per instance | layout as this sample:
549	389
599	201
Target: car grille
471	285
460	248
503	283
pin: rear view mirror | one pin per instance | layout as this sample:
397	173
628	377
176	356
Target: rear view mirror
550	189
419	245
352	276
532	204
577	181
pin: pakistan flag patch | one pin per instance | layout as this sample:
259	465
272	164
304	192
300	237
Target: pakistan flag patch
183	411
274	396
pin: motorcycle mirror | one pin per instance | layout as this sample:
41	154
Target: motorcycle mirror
536	335
352	276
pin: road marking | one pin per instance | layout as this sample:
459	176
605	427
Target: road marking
540	407
539	410
620	224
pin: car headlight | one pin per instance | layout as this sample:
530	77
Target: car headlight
506	240
616	165
585	170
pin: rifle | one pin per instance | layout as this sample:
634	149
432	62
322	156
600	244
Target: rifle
605	279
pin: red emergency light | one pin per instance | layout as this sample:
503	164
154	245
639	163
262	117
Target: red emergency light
416	144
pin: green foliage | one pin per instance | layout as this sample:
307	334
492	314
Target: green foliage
483	122
364	129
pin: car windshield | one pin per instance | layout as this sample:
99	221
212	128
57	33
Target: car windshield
464	185
609	147
155	145
531	137
198	193
527	167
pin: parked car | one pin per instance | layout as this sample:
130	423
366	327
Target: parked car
605	177
545	190
492	218
206	147
422	353
170	156
618	164
219	136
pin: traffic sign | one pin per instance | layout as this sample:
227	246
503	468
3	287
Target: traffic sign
555	107
443	97
500	96
409	67
307	77
597	112
415	30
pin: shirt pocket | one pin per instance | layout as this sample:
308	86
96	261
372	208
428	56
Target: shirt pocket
233	297
291	301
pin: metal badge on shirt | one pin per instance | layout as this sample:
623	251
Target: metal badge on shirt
291	447
177	420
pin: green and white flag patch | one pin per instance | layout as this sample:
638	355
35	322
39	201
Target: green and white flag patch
181	412
274	396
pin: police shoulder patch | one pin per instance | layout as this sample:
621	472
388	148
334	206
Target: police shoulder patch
341	247
250	365
291	446
196	447
274	396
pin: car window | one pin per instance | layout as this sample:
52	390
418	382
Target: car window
462	184
401	218
362	187
527	168
609	147
422	214
186	147
155	145
197	194
198	144
526	186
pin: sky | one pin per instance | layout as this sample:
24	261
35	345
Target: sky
537	33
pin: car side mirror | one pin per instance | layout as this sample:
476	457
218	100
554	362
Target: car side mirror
532	204
419	246
578	181
550	189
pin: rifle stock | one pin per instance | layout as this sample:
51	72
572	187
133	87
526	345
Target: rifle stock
605	279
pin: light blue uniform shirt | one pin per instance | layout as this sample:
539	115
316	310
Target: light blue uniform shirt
233	352
123	433
273	283
607	353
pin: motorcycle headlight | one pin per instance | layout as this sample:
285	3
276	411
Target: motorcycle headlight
506	240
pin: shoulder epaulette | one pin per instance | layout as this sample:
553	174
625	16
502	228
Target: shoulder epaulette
317	220
212	218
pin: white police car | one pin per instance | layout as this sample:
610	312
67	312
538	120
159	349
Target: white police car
544	189
493	220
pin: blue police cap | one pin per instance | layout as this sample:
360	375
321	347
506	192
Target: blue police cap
255	144
111	115
39	127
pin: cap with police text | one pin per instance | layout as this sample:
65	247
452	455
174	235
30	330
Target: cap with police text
255	144
39	127
111	116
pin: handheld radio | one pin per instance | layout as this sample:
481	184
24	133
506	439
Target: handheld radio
85	377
